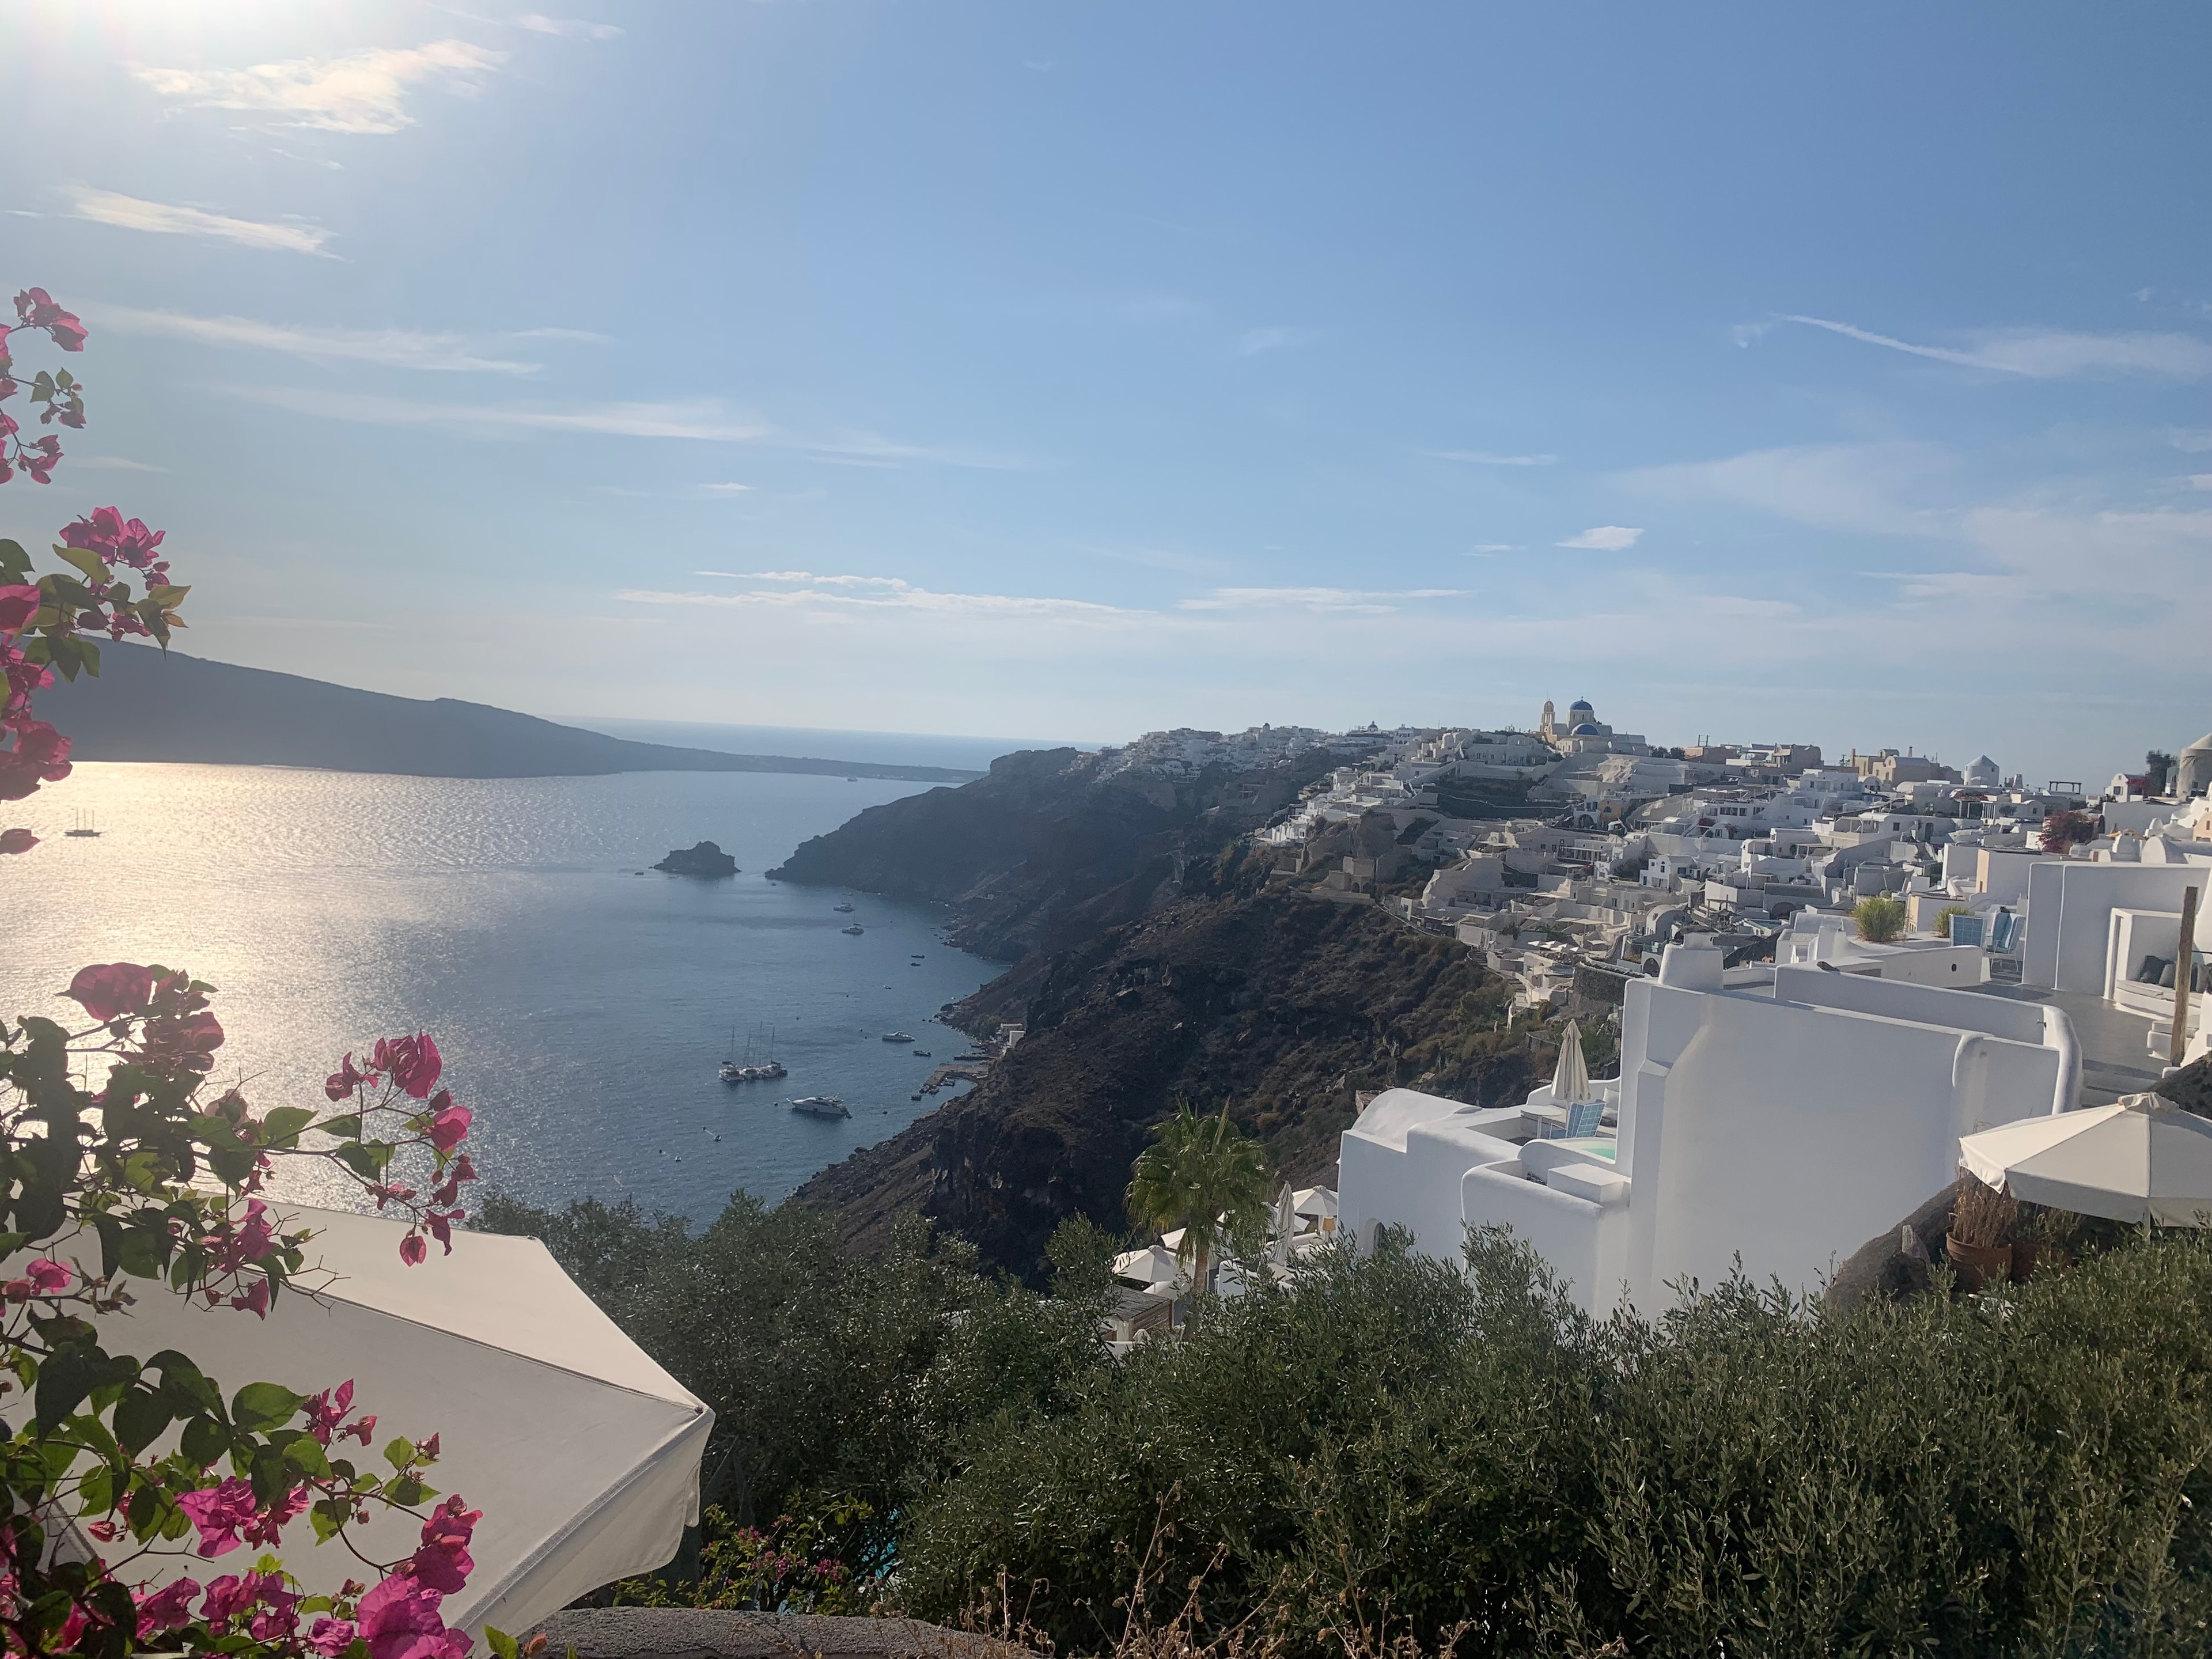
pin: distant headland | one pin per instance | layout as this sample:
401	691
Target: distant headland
148	707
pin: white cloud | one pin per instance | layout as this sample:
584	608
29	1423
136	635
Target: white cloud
115	464
392	348
2189	442
1603	539
538	23
2200	481
701	418
725	490
1349	601
836	598
2052	354
1484	548
106	207
585	335
1254	340
364	92
704	418
1484	458
1854	487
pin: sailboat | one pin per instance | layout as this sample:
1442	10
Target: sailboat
84	826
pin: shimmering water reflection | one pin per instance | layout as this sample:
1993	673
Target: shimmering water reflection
582	1008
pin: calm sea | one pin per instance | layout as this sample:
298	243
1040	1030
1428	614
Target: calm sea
582	1007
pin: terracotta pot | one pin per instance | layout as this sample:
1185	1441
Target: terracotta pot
1977	1264
2024	1254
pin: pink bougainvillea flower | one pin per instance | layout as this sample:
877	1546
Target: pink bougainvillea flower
183	1043
255	1301
166	1608
331	1636
40	755
343	1081
228	1598
115	538
326	1410
106	1531
443	1562
450	1128
111	990
18	603
36	308
412	1249
399	1619
268	1526
450	1189
17	841
49	1277
413	1062
362	1427
221	1513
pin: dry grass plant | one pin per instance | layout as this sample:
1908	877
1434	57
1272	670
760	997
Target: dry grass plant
1984	1217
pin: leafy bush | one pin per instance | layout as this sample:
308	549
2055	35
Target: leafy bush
839	1385
1944	919
1387	1441
1879	919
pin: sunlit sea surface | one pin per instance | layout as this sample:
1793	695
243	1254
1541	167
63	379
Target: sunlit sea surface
582	1007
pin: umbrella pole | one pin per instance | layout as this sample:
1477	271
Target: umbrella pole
2185	969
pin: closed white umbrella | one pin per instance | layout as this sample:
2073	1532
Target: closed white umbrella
1570	1078
582	1453
2141	1158
1282	1226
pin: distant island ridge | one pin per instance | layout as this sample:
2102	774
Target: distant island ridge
885	748
147	706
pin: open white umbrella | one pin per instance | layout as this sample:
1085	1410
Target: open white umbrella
582	1453
2141	1158
1318	1202
1570	1078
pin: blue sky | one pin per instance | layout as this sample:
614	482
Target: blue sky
1834	375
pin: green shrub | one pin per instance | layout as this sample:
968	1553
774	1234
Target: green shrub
1879	918
1944	919
1746	1474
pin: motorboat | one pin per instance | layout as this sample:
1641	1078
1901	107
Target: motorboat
820	1106
898	1036
842	910
921	1054
855	930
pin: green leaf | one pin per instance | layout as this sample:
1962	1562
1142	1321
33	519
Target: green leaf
64	1380
503	1646
14	562
204	1440
95	568
260	1406
328	1517
399	1452
282	1127
140	1418
406	1491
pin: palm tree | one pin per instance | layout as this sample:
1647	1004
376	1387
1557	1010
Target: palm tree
1205	1176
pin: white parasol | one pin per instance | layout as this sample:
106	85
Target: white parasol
1571	1079
2141	1158
581	1452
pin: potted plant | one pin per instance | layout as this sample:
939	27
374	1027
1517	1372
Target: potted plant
1980	1242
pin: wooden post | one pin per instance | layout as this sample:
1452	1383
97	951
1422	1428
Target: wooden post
2184	966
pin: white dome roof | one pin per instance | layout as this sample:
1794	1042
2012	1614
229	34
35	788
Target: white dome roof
2203	743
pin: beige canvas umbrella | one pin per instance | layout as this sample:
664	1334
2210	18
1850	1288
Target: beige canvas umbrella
1570	1078
2142	1158
581	1452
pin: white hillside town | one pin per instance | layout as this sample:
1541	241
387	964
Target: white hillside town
1819	975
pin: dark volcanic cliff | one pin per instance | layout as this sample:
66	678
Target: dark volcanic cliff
1284	1004
1050	848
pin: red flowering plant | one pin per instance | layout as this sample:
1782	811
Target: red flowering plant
134	1184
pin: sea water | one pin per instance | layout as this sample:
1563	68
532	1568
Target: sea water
582	1007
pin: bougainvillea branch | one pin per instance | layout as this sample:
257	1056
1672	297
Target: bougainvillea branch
150	1183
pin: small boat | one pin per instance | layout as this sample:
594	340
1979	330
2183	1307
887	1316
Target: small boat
921	1054
960	1057
917	1097
820	1106
855	929
84	826
852	780
842	910
896	1037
